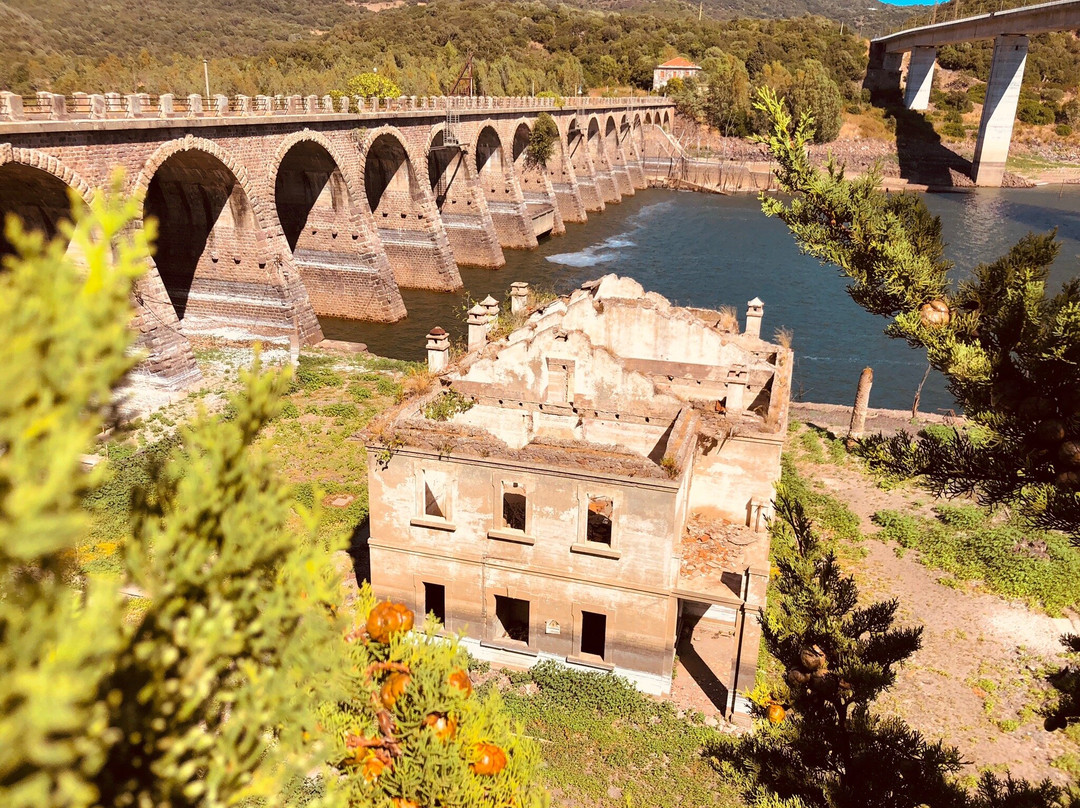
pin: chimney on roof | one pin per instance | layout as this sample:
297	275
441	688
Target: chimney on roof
755	310
737	379
519	297
478	327
491	306
438	349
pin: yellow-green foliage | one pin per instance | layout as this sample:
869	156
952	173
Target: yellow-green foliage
184	703
63	337
431	770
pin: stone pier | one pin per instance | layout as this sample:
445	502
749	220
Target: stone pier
462	206
605	180
584	170
495	175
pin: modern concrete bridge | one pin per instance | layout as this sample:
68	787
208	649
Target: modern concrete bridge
1010	31
275	211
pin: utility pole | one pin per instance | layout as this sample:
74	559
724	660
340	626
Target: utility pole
206	76
700	7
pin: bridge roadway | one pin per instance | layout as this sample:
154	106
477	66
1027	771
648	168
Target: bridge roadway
273	211
1010	31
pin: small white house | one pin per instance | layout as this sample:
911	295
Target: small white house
677	68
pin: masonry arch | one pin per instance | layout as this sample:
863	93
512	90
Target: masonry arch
596	146
532	177
315	202
447	171
611	136
522	133
390	181
648	119
37	188
667	119
489	155
209	236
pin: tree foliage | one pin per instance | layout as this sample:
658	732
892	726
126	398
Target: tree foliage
371	85
411	732
519	47
822	744
242	674
542	140
1009	351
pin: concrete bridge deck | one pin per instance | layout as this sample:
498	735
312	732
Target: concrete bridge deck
1010	31
1063	15
273	212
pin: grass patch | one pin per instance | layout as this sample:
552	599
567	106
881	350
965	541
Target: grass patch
1041	568
832	517
600	737
313	372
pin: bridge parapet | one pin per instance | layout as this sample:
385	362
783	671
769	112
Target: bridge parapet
45	106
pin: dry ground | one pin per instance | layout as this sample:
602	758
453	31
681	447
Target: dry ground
978	680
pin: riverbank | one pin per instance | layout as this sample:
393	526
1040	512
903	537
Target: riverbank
911	158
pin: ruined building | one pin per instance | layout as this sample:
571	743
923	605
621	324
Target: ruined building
581	486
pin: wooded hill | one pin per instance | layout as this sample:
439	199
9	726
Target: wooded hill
267	46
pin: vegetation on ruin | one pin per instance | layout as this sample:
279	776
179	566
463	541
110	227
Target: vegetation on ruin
446	405
1008	350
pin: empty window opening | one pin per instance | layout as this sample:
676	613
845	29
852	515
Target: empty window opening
513	508
435	496
593	633
598	524
512	616
435	601
560	382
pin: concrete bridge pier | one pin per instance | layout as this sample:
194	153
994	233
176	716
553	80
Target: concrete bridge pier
999	110
463	206
883	71
920	77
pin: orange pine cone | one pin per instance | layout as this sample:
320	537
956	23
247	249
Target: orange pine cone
444	726
387	619
393	688
460	679
489	759
373	766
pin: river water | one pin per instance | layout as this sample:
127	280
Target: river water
707	251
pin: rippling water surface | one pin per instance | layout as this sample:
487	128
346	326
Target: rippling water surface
710	250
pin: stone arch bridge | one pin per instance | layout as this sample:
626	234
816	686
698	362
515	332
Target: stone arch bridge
275	211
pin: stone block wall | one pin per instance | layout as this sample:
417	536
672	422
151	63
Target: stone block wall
346	259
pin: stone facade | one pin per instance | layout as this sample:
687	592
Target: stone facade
275	211
562	509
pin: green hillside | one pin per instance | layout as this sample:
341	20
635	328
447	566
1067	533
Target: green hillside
265	46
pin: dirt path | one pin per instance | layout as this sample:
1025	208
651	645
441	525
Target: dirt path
977	681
